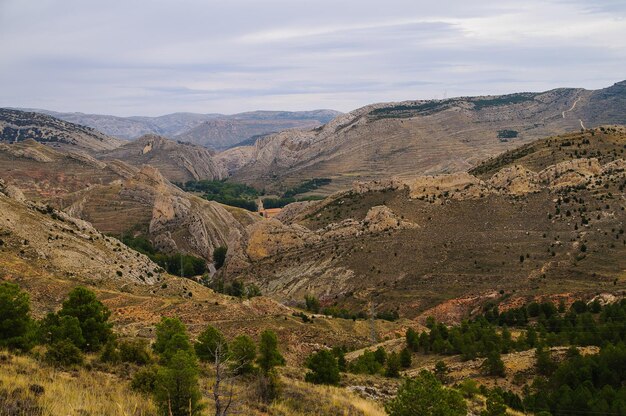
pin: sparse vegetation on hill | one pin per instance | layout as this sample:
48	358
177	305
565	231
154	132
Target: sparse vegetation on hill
228	193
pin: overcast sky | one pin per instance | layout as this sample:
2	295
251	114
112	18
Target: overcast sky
151	57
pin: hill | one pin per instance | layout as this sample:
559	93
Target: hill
118	198
223	132
420	137
178	162
548	223
217	131
17	126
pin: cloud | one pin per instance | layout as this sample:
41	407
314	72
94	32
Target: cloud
150	57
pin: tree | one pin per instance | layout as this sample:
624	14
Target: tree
495	406
92	316
15	322
494	364
412	340
219	256
312	303
380	355
166	332
425	396
405	358
209	341
243	353
544	362
324	368
441	369
269	356
393	365
176	387
54	328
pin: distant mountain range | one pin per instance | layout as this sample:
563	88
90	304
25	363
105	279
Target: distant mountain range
216	131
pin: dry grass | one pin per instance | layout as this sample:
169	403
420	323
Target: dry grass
302	399
78	392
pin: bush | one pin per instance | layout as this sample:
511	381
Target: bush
219	256
366	364
405	358
145	380
243	354
134	351
312	303
15	322
92	316
425	396
393	365
324	368
495	406
494	364
64	353
110	353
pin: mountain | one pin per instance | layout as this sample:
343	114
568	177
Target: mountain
546	219
217	131
118	198
420	137
17	126
177	161
224	132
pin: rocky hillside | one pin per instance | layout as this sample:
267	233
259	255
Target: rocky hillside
118	198
223	132
178	162
17	126
533	223
420	137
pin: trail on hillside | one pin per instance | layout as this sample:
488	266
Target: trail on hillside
573	106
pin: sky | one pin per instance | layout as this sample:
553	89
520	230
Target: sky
153	57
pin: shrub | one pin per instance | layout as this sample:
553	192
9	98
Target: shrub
165	331
219	256
15	322
494	365
134	351
495	406
324	368
110	353
64	353
425	396
393	365
405	358
312	303
145	379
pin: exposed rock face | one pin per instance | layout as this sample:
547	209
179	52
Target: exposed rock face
457	185
570	173
17	126
516	180
68	245
269	237
178	162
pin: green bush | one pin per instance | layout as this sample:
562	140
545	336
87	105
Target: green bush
64	353
134	351
324	368
15	322
393	365
110	352
145	379
54	328
219	256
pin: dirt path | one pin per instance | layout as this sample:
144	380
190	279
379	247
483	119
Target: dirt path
573	106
